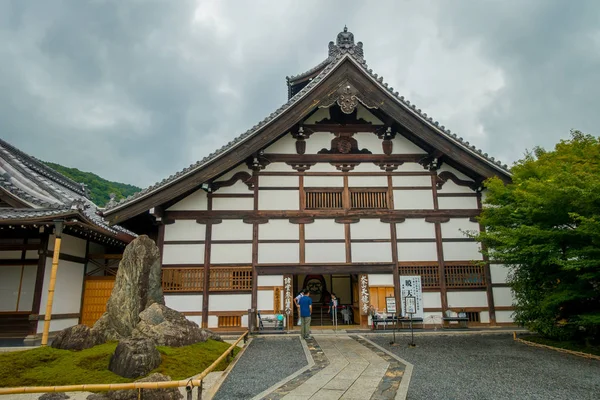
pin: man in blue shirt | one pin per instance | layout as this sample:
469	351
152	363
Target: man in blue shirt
305	312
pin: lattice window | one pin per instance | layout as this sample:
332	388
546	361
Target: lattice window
464	276
361	198
230	279
230	321
183	279
323	199
430	277
473	316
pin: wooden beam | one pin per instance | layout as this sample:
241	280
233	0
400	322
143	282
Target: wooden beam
439	247
354	268
39	280
487	272
207	248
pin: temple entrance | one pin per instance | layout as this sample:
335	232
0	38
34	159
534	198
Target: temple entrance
321	287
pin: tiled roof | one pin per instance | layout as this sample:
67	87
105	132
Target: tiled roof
337	53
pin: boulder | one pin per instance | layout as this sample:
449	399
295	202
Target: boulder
137	285
77	337
167	327
54	396
134	358
149	394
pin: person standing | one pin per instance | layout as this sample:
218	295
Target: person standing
296	300
305	313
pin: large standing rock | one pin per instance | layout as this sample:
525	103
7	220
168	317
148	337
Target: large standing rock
134	358
137	285
149	394
77	337
167	327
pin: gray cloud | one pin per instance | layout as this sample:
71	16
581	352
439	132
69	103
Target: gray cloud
137	90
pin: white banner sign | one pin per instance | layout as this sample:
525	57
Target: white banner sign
411	286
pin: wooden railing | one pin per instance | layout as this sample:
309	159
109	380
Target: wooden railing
230	321
464	276
235	278
368	199
183	279
323	199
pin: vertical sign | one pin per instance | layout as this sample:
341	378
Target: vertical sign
364	294
411	286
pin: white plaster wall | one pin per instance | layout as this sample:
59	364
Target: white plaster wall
410	167
451	187
413	200
57	324
232	229
325	252
183	254
185	229
264	300
370	229
452	228
197	319
411	180
503	296
69	284
12	254
226	203
432	300
371	252
269	253
230	253
279	200
368	181
277	181
417	252
323	167
269	280
381	280
318	141
499	273
467	299
324	229
459	175
366	167
27	288
461	251
484	317
229	302
245	320
237	187
415	228
451	203
504	316
369	141
196	201
9	287
321	181
69	245
404	146
278	167
283	145
278	229
320	114
213	321
364	113
184	302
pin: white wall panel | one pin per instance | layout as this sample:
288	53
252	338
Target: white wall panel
69	245
238	187
269	253
417	252
322	167
184	302
278	229
27	288
230	253
321	181
370	229
381	280
278	167
283	145
410	167
213	321
459	175
245	320
197	319
461	251
232	229
451	203
371	252
270	280
499	273
404	146
413	200
196	201
411	180
453	228
229	302
278	200
185	229
503	296
325	252
227	203
432	300
467	299
451	187
57	325
363	113
320	114
484	317
369	141
11	255
504	316
277	181
324	229
366	167
368	181
183	254
10	277
415	228
318	141
69	284
264	300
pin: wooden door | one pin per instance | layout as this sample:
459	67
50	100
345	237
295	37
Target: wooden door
96	292
378	295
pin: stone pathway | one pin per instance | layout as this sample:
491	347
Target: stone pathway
345	368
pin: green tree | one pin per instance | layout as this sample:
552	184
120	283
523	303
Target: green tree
545	227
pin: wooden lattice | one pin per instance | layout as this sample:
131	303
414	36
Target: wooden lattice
230	321
324	199
230	278
430	277
183	279
464	276
371	199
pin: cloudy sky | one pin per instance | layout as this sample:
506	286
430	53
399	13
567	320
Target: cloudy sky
136	90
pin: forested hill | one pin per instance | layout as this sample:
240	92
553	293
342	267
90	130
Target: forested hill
100	189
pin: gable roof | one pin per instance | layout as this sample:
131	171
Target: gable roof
345	60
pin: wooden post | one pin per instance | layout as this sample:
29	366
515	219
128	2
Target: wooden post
56	253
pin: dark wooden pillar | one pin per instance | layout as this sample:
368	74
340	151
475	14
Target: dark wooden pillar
207	242
39	281
394	242
254	299
488	274
439	247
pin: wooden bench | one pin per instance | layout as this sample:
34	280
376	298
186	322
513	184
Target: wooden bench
277	321
452	316
377	320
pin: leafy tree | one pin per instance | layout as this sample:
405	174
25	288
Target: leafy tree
100	189
545	226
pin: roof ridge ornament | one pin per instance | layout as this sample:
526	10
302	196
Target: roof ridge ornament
345	45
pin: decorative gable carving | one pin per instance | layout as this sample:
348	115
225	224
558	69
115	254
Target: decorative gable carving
344	144
243	176
347	98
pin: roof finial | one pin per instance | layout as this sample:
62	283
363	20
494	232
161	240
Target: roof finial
345	28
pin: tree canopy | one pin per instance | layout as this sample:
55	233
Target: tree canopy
545	227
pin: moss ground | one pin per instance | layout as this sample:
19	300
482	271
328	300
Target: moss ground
45	366
575	346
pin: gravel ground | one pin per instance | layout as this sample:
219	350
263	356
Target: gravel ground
265	362
492	367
